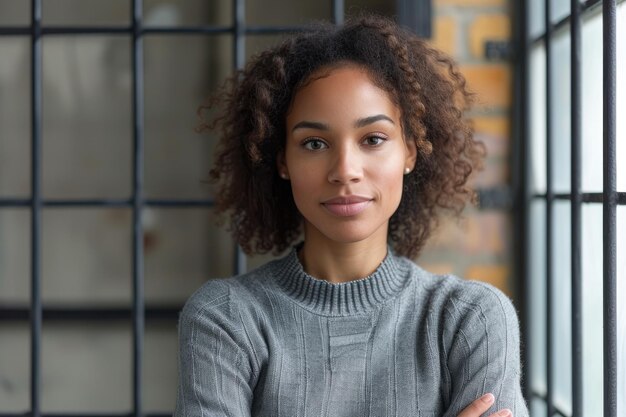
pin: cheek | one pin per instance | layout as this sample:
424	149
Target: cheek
303	189
390	176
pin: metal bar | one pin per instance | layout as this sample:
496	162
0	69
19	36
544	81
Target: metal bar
15	30
239	45
239	55
586	197
36	207
107	203
151	30
609	207
585	8
576	205
549	211
339	8
89	314
521	186
138	130
415	15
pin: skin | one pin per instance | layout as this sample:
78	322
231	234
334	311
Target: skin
344	138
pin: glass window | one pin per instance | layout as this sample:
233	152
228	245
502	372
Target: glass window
561	359
561	109
15	150
592	233
537	297
591	93
538	118
592	309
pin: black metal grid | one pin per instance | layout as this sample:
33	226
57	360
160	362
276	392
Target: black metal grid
139	312
609	198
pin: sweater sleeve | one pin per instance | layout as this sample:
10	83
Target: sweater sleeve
483	350
214	374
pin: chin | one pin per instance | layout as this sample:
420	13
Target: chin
348	234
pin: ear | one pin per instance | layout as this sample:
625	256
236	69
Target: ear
281	165
411	154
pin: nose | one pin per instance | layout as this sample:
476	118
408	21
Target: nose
346	166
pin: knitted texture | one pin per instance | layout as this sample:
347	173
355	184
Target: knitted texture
403	342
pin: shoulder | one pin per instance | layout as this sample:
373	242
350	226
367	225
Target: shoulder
456	301
222	299
480	296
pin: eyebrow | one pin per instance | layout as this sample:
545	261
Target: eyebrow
372	119
359	123
310	125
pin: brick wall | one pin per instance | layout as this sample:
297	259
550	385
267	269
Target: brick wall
479	246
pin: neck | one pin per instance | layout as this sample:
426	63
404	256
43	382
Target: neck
341	262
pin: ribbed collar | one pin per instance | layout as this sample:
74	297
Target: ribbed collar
341	299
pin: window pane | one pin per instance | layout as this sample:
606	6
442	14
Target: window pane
14	256
86	12
538	407
537	300
621	98
87	126
183	248
592	309
180	72
291	13
187	13
160	366
86	256
559	9
591	73
14	367
562	305
255	44
538	118
537	18
561	111
14	12
86	367
621	310
14	116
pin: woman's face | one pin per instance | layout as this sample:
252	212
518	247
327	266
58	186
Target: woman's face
345	156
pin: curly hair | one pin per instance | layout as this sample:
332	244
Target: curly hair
424	82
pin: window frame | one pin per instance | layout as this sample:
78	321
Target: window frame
609	198
136	30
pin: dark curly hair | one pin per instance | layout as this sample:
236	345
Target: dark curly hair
253	103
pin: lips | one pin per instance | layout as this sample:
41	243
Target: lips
345	206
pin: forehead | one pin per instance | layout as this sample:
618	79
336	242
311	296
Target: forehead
347	91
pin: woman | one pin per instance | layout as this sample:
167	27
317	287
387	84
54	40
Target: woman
353	138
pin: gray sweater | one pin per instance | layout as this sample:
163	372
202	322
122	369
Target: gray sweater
403	342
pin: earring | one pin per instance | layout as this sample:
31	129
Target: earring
284	175
407	170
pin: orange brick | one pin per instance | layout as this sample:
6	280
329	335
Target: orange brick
488	27
494	133
491	83
470	3
444	34
498	126
497	275
478	233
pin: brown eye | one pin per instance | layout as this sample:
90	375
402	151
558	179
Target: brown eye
374	140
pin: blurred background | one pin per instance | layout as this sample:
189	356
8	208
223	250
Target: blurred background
86	259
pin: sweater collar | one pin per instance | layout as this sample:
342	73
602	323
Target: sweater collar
346	298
